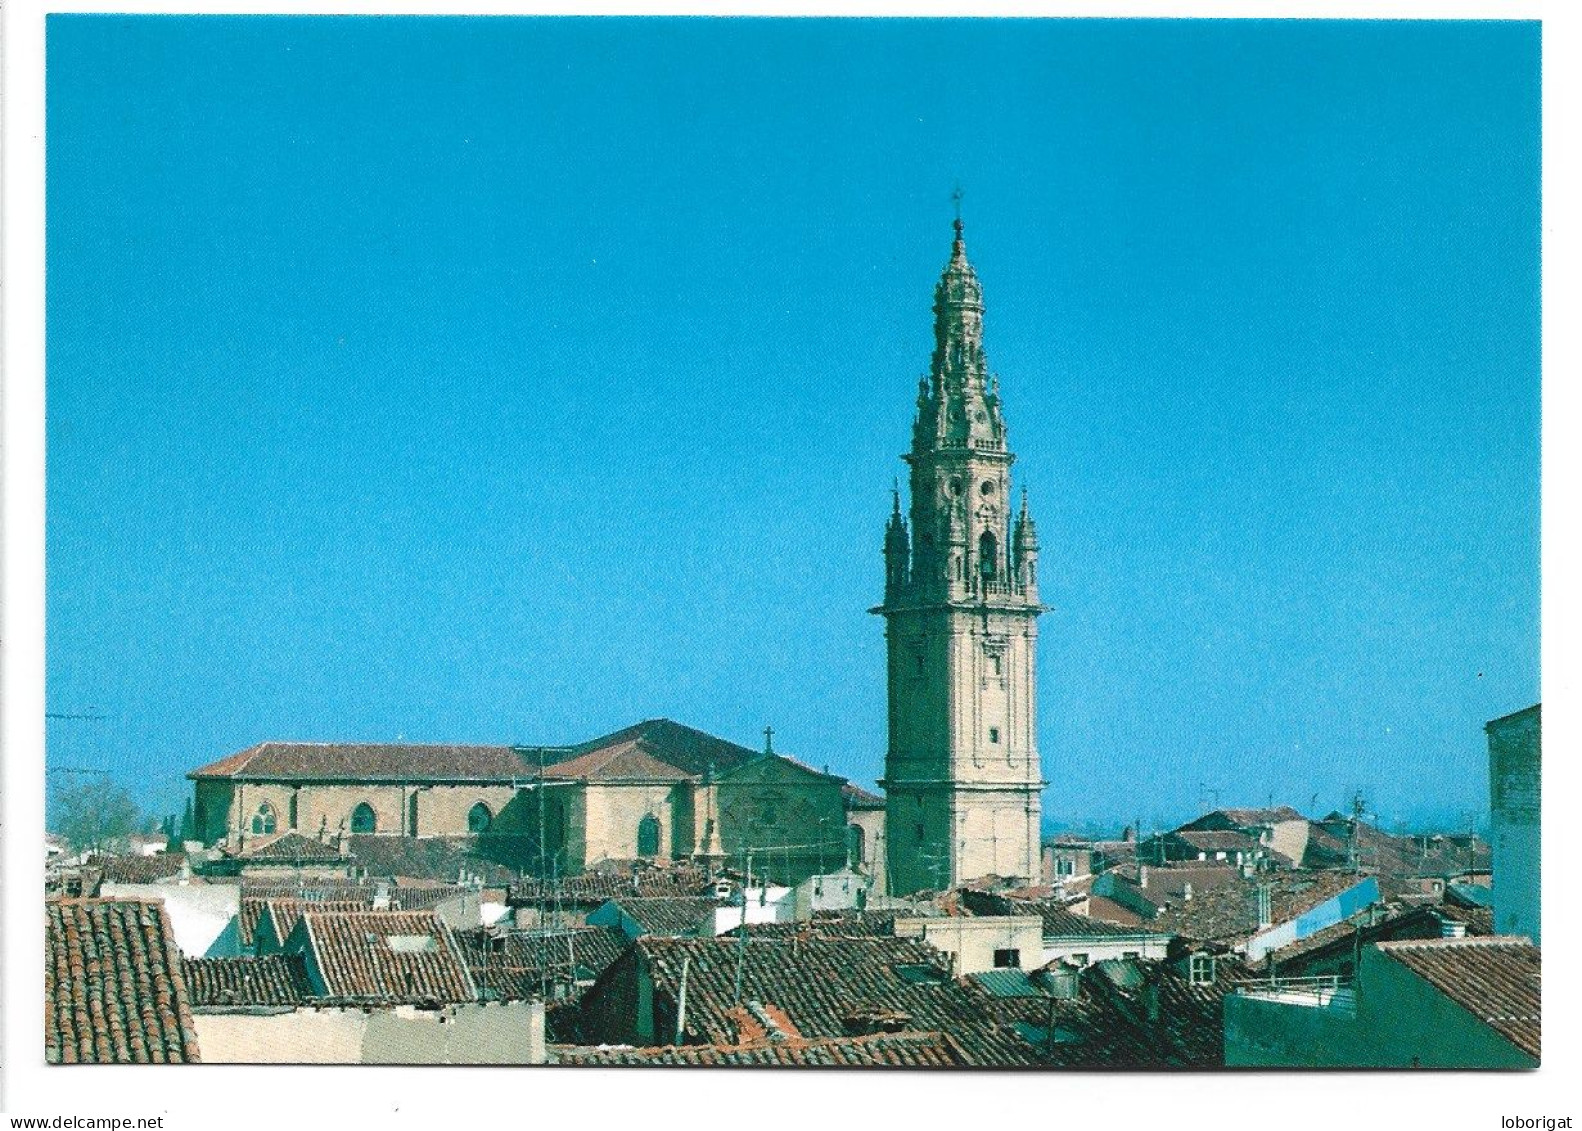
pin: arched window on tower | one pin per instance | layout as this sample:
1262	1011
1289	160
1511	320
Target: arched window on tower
648	836
363	819
988	556
479	819
856	846
264	820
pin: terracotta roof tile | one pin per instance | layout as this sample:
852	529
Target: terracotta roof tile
113	985
215	983
385	956
444	858
140	869
632	760
827	987
290	848
367	761
1498	980
882	1050
590	889
515	965
672	916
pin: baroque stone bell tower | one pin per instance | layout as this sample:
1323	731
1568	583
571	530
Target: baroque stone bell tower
962	775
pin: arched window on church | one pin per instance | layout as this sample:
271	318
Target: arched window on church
988	554
363	819
479	819
648	836
264	820
856	846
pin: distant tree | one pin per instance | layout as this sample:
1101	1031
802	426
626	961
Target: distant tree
95	814
189	827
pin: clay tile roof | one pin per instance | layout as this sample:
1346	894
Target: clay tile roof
215	983
1058	922
113	986
293	848
632	760
880	1050
859	798
686	748
287	913
366	761
1497	980
140	869
1217	840
386	956
445	858
594	888
825	987
686	915
1230	913
514	965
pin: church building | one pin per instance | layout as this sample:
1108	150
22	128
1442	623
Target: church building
655	791
962	773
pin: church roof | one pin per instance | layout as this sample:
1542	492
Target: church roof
622	761
686	748
365	761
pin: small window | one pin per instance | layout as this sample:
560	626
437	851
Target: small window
264	820
1007	958
363	819
479	819
1202	970
994	734
920	833
997	662
1079	959
1131	954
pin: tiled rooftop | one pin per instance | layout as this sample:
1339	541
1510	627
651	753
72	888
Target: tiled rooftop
672	916
882	1050
493	860
140	869
514	965
1498	980
593	888
215	983
290	848
826	988
113	986
1230	914
385	956
367	761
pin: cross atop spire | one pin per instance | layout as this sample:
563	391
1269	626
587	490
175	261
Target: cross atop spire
955	198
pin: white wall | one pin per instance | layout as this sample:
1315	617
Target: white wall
203	916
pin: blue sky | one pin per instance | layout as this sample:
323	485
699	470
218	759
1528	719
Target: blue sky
500	380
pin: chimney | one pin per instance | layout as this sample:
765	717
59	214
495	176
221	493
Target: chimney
537	1047
1142	876
382	896
1186	893
1451	929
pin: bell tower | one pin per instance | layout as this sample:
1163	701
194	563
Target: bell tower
962	775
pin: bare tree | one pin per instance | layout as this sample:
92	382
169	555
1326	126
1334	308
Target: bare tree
95	814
